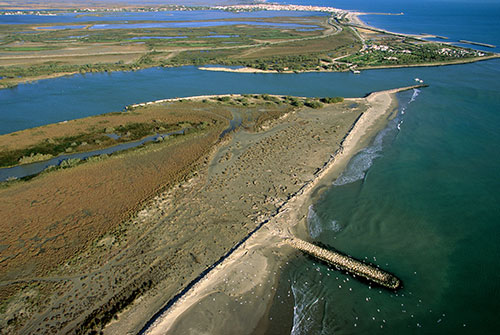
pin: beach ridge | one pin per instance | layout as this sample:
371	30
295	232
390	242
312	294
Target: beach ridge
270	233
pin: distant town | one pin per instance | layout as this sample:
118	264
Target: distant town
232	8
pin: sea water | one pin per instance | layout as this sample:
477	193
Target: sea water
72	97
421	201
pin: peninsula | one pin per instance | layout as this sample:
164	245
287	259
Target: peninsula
134	249
93	41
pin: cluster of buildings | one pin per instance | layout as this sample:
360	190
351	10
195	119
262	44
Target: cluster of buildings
445	51
459	52
19	12
276	7
234	8
386	48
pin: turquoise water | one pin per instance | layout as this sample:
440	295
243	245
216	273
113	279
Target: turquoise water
421	201
66	98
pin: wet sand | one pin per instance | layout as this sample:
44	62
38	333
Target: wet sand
253	186
235	296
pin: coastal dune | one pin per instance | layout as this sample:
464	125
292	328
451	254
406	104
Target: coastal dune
207	248
236	293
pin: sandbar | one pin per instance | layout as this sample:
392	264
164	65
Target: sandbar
234	296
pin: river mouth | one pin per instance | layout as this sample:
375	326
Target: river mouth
32	169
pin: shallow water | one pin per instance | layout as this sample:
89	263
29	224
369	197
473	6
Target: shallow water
190	25
156	37
61	27
31	169
421	201
220	36
77	96
150	16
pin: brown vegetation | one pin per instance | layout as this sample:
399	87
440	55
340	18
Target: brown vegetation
67	239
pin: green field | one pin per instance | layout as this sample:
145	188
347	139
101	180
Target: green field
334	47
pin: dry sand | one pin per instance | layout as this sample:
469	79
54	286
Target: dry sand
252	70
254	177
234	297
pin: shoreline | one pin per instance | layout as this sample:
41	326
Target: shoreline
247	70
356	22
270	234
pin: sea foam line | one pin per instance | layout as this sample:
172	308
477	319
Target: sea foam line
361	162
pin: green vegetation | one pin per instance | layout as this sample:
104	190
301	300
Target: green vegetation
270	98
406	51
34	158
267	48
313	104
332	100
92	140
264	48
296	102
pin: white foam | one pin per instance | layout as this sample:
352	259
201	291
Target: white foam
359	164
304	309
416	92
335	226
314	223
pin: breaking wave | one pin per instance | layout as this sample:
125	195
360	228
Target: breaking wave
361	162
306	304
416	92
335	226
315	225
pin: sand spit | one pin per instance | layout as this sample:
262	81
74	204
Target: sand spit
260	178
252	70
234	295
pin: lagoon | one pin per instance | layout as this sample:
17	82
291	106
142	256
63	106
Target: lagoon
147	16
421	201
55	100
190	24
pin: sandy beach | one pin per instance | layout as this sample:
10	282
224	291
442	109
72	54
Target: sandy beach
208	247
235	295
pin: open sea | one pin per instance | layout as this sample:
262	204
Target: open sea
422	201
